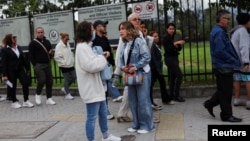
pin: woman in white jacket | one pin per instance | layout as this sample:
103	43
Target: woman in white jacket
65	60
88	67
241	42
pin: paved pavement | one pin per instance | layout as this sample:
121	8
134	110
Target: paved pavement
187	121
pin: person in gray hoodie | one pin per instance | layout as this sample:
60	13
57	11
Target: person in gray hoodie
241	42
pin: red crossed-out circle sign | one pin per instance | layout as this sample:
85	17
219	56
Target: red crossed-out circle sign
150	7
138	8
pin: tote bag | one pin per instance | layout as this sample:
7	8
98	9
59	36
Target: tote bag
107	72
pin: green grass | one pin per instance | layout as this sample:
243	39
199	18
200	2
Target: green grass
195	62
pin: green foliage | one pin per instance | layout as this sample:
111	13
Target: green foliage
243	4
171	4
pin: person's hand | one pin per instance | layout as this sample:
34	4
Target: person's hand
106	54
4	78
180	42
28	72
131	69
246	68
125	69
51	52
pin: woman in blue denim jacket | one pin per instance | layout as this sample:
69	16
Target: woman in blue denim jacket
138	95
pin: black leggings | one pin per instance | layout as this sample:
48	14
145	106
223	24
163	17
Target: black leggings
164	93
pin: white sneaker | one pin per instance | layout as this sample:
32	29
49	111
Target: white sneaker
110	117
239	102
69	97
112	138
145	131
157	107
63	90
118	99
15	105
28	104
248	105
49	101
38	99
131	130
2	99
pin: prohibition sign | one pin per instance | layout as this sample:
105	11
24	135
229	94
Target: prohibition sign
138	8
150	7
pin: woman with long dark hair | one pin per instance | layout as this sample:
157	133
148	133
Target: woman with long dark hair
88	67
172	49
156	65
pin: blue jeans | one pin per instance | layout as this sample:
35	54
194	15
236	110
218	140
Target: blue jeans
140	104
112	90
93	110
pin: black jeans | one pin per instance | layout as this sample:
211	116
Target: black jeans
176	76
164	93
22	76
44	77
223	94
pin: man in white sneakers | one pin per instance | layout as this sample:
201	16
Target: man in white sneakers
40	52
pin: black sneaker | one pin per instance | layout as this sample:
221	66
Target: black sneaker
179	99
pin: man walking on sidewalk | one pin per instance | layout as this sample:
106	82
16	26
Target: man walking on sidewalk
224	61
40	50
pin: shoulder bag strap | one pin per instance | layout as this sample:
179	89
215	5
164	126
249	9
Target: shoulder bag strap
42	47
130	51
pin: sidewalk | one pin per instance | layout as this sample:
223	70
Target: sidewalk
64	121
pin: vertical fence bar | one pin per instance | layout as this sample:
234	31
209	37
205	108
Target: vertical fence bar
203	34
197	38
190	45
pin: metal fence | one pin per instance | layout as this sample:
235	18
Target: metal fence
194	20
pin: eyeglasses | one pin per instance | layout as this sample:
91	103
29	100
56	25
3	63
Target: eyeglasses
136	19
14	37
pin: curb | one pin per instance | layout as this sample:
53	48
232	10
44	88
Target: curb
188	92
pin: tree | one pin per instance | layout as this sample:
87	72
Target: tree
24	7
241	4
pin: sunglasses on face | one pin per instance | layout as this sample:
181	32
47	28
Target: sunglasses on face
136	19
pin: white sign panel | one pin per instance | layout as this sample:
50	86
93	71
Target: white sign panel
113	13
17	26
55	23
146	10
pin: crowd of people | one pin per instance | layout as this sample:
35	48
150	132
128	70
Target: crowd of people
138	50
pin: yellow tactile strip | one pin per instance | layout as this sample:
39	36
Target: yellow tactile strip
171	126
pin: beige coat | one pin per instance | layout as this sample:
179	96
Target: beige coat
63	55
88	66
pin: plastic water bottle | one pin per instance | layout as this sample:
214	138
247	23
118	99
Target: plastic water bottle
115	80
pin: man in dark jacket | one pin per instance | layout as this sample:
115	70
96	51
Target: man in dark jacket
102	40
224	61
40	51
